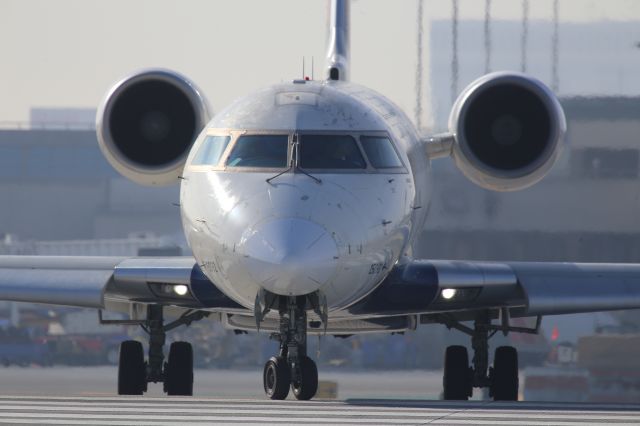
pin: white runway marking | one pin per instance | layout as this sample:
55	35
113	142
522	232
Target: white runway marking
181	411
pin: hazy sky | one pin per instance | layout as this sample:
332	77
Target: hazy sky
66	53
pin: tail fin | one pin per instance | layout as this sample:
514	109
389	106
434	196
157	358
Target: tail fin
338	55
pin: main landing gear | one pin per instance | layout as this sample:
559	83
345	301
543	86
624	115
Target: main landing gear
502	379
176	373
291	368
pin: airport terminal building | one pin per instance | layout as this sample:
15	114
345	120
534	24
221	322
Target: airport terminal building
59	193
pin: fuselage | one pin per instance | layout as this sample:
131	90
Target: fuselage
302	187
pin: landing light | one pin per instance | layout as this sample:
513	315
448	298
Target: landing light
171	291
448	293
181	289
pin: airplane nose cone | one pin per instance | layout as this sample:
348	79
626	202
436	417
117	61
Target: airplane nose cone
290	257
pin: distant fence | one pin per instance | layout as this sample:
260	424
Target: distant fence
132	246
29	125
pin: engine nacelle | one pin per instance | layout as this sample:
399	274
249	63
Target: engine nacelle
147	124
509	130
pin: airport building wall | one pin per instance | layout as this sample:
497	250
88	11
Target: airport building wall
56	185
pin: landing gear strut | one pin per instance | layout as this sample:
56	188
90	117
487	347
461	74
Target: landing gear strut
501	379
176	374
291	368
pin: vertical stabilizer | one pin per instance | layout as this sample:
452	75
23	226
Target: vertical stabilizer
338	54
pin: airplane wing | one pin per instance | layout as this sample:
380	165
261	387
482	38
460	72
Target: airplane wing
526	288
412	288
93	282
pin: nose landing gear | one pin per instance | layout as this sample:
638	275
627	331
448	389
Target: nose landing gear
292	368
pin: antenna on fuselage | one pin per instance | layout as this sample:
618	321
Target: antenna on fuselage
304	70
338	54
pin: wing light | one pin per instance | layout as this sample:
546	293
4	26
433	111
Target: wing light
449	296
170	291
448	293
181	290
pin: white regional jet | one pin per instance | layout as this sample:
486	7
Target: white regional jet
301	203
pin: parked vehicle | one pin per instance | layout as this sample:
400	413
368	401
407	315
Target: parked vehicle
17	347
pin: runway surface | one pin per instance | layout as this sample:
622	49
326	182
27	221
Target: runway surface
181	411
86	396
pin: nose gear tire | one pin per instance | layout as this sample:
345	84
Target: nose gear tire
307	386
276	378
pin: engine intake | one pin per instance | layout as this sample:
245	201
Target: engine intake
509	130
147	124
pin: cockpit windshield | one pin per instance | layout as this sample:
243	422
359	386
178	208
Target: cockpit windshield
322	152
330	152
267	151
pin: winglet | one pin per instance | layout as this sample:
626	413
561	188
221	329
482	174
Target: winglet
338	54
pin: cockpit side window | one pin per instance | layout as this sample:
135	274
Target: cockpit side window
330	152
380	152
268	151
211	150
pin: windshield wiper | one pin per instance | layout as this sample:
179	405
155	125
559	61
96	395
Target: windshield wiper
304	172
281	173
294	164
295	168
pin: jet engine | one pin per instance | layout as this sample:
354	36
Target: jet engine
509	130
147	124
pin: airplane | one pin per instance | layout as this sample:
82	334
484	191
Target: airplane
300	203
